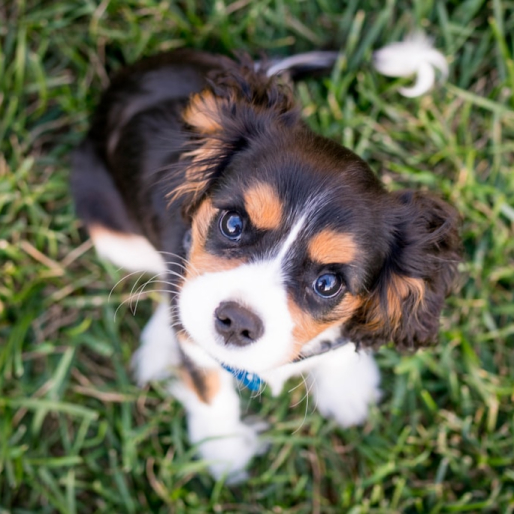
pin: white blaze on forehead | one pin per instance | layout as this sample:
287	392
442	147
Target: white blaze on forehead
291	238
259	287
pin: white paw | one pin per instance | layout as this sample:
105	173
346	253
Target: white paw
229	455
350	409
346	386
158	352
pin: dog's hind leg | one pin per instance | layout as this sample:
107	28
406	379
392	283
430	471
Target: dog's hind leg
103	211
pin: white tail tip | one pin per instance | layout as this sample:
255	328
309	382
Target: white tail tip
414	56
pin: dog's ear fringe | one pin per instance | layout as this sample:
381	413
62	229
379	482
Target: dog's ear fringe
200	166
420	271
238	104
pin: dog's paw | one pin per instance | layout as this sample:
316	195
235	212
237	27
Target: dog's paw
349	407
346	391
229	455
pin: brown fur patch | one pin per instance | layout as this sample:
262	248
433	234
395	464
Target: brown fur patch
398	291
201	223
330	247
203	113
205	383
204	262
195	181
307	328
263	206
201	261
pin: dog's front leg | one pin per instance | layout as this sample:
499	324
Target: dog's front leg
207	393
213	418
345	382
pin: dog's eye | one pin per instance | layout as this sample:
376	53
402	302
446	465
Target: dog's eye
328	285
231	225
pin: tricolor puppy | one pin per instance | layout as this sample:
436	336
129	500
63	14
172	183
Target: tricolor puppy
282	252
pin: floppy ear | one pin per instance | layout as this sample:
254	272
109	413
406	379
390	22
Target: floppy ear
239	105
419	271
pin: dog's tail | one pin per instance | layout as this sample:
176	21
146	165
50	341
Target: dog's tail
301	64
415	56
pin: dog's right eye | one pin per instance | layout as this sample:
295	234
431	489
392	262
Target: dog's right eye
231	225
328	285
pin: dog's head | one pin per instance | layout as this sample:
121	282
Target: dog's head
294	236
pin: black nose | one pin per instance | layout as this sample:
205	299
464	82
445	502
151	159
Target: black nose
238	325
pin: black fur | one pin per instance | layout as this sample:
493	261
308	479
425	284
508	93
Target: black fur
146	166
426	246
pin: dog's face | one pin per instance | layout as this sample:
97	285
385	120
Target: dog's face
294	238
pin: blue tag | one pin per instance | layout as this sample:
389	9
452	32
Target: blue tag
250	380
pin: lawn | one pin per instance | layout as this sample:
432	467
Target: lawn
76	434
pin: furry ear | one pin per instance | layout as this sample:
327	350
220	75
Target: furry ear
419	271
239	105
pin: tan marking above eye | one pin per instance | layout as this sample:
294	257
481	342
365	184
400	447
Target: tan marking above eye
263	206
330	247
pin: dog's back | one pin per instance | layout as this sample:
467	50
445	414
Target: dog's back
136	132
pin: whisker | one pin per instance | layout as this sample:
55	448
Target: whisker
171	254
178	275
131	298
188	262
260	391
306	397
159	281
141	290
132	295
294	389
178	264
184	259
121	280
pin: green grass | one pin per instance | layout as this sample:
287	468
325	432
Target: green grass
76	436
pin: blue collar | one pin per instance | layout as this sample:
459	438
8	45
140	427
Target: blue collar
254	382
249	380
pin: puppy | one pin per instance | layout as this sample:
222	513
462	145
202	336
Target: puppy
281	252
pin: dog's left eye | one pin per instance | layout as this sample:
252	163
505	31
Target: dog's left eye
231	225
328	285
